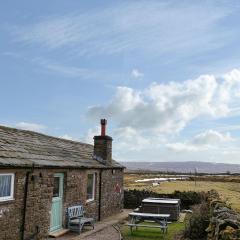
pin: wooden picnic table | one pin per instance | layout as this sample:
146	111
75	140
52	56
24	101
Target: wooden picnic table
136	218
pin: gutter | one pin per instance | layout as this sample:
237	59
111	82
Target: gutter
8	166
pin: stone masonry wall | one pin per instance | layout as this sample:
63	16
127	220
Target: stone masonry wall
112	192
39	203
38	206
76	192
39	200
103	148
111	198
10	211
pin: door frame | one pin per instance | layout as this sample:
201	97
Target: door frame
54	199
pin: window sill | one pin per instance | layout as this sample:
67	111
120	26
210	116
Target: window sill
7	200
89	201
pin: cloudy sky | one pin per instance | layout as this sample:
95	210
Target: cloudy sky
166	74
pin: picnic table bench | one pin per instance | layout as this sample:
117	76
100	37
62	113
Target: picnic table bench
137	218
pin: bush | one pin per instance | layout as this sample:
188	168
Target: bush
133	198
198	223
189	198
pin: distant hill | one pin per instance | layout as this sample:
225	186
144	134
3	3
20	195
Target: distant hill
183	167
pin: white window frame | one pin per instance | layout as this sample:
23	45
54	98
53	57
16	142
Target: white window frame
7	198
93	187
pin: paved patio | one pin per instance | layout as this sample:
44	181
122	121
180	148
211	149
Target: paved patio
103	229
107	233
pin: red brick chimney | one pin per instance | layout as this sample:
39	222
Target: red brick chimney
103	145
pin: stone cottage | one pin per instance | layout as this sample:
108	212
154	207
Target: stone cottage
41	176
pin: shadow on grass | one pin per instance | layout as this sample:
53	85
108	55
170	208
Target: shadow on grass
151	233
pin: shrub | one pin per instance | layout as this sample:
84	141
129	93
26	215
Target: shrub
198	223
133	198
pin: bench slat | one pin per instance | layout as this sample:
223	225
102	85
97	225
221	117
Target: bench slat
150	215
147	226
150	226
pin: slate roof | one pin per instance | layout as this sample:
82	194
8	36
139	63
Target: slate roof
21	148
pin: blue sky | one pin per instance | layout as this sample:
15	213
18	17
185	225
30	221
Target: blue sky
164	73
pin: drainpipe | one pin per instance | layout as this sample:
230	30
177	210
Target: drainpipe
24	205
100	195
25	202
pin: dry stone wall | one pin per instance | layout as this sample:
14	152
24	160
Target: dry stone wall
224	222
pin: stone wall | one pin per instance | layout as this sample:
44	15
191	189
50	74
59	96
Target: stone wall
39	203
10	211
38	206
103	148
40	199
76	192
112	192
224	222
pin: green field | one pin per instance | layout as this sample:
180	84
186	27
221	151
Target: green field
229	191
227	187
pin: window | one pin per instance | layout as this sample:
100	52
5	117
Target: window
6	186
90	187
56	187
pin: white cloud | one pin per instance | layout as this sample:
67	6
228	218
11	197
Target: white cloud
169	108
31	126
203	141
130	139
211	137
229	127
125	137
125	100
179	146
131	26
69	71
136	73
150	122
88	138
67	137
72	71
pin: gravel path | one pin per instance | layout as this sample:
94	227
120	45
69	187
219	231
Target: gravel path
108	233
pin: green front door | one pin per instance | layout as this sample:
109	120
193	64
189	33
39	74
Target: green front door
56	211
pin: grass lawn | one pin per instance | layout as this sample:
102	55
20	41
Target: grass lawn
152	233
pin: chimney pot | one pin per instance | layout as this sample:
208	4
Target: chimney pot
103	127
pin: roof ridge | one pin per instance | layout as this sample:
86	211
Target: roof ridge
43	134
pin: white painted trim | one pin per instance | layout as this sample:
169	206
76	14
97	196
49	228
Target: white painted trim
8	198
93	188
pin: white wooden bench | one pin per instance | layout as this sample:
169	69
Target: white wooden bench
77	220
137	218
